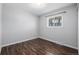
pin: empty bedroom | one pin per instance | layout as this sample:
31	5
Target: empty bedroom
38	29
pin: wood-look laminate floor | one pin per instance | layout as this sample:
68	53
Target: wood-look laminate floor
37	47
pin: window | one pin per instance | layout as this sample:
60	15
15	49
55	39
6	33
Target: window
54	21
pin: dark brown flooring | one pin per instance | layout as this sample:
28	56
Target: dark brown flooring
38	47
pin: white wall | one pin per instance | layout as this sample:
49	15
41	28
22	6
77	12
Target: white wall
0	24
67	35
78	28
17	24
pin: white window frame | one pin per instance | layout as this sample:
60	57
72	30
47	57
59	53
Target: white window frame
53	17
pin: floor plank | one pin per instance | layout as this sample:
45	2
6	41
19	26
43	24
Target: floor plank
38	47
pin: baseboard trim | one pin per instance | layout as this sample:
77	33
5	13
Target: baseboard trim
41	38
18	42
59	43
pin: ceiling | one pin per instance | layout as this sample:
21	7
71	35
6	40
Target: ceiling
39	10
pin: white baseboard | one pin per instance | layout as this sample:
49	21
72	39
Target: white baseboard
39	37
60	43
18	42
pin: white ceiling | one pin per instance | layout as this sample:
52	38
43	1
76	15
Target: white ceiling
39	10
47	8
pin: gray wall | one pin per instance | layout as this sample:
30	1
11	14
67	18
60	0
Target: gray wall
0	24
17	24
67	35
